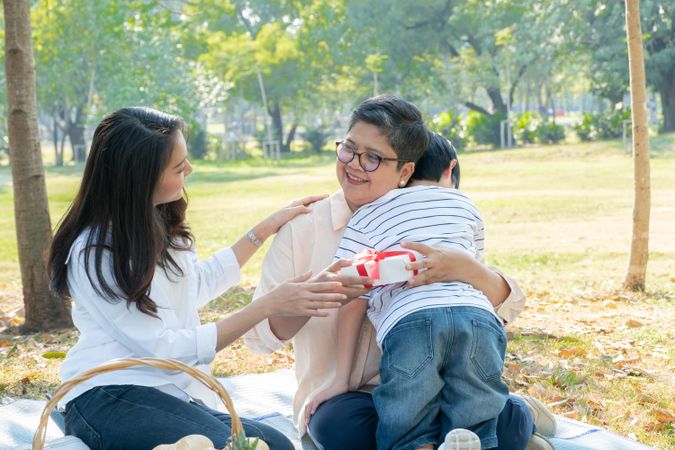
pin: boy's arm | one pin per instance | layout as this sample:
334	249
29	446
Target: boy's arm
350	319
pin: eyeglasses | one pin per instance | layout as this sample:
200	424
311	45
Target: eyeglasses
368	161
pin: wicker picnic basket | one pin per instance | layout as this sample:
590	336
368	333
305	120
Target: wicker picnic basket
166	364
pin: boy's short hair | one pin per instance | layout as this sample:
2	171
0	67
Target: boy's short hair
397	119
435	160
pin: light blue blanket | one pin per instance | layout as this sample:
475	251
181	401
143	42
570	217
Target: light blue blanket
268	397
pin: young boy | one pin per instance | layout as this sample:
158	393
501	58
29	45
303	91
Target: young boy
442	344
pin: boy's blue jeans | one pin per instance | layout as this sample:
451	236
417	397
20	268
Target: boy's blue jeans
138	417
441	369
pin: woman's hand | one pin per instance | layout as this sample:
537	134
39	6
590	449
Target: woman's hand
248	244
352	287
438	264
297	297
276	220
303	297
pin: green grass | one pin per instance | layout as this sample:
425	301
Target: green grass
558	218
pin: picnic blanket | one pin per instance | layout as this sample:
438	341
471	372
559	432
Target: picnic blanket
268	397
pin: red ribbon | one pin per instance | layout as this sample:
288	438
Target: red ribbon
367	255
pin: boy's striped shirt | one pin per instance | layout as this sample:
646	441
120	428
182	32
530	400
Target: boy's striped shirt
432	215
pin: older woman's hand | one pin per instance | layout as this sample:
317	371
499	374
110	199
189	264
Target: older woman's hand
447	264
439	264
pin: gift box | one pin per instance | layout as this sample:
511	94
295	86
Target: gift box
382	267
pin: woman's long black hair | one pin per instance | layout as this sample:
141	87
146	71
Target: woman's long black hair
114	204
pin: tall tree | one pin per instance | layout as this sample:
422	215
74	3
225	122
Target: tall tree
33	228
639	251
469	52
99	56
660	45
254	44
596	27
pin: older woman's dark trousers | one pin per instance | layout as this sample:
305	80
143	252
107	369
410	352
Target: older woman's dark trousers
349	421
137	417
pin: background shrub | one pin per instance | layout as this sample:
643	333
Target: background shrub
450	124
550	132
316	137
484	129
525	129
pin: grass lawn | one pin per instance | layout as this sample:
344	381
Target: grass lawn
558	219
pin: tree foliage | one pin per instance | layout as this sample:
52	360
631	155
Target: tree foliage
596	28
94	57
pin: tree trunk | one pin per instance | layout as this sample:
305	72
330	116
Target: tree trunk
33	228
667	94
289	137
639	250
528	93
497	101
75	132
58	152
277	124
541	106
550	111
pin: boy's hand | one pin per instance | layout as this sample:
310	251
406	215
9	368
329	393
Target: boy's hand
328	393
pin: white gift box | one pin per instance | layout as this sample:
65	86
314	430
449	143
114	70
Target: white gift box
390	269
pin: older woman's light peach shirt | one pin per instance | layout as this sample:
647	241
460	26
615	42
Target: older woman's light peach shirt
308	243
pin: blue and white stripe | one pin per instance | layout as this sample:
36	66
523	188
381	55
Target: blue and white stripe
431	215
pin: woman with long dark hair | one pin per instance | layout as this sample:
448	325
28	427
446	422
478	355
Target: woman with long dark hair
124	254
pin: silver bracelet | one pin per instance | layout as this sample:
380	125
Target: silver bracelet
254	239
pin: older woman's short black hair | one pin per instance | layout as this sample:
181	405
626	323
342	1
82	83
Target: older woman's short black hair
397	119
435	160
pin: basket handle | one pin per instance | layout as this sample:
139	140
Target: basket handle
159	363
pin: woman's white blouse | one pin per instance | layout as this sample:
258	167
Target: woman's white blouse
112	330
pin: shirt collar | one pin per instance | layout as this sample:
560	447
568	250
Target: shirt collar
339	210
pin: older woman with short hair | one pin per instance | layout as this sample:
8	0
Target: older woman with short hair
385	137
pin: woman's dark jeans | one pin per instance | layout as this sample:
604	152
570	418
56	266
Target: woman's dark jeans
349	421
137	417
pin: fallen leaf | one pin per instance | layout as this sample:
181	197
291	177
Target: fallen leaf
16	321
663	416
5	344
558	403
595	405
570	414
574	351
623	362
654	426
536	390
634	323
54	355
565	353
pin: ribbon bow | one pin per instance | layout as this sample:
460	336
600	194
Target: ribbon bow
367	255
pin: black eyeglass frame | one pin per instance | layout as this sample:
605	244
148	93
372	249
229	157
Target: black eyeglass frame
372	155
